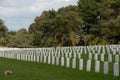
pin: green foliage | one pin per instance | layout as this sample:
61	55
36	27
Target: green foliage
3	29
2	41
98	41
21	39
55	27
87	38
73	38
89	10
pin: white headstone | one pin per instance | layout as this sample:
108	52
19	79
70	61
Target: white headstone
56	54
45	59
106	67
103	49
114	52
46	54
67	62
102	57
35	59
26	57
108	50
81	51
79	56
90	56
6	55
117	58
53	53
85	51
41	59
32	58
57	60
0	54
81	64
97	66
38	58
66	55
110	57
22	57
70	55
11	56
18	56
74	63
88	67
53	60
62	61
95	57
99	51
29	59
49	54
49	59
74	54
15	56
116	69
59	54
62	54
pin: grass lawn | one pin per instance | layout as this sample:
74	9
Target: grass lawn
23	70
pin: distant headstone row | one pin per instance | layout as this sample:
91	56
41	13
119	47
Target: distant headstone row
82	57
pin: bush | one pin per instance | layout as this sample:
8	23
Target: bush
98	41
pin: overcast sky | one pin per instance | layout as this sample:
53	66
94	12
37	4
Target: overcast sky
19	14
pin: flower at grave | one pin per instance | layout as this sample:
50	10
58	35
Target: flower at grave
8	72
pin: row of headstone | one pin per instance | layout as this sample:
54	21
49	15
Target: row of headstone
79	49
67	55
67	58
59	51
102	57
57	61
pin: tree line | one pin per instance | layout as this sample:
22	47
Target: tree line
90	22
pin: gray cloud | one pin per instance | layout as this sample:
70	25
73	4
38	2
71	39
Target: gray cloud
13	11
16	3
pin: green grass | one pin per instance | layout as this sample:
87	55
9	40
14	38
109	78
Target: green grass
23	70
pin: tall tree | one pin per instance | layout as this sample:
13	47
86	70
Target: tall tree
3	29
21	39
110	20
55	27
